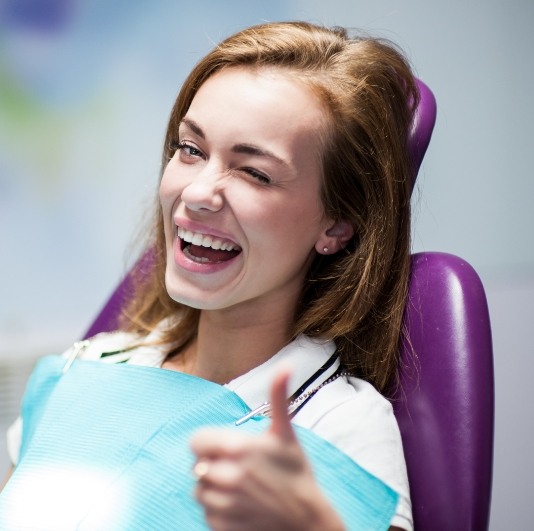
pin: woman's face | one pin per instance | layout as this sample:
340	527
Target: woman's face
241	195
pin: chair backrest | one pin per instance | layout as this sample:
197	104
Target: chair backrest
445	408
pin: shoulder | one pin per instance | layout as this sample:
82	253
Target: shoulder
353	416
107	346
356	418
113	345
122	347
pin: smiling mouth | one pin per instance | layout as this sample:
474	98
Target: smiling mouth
203	248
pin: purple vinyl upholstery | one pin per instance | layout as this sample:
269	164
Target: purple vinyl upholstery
445	408
108	318
422	127
446	404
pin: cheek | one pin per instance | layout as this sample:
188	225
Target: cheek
164	187
167	198
302	215
295	223
169	188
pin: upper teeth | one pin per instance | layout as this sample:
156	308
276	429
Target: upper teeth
206	241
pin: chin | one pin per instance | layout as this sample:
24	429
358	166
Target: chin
194	298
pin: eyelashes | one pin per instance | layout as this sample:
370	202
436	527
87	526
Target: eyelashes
184	146
172	148
259	176
190	154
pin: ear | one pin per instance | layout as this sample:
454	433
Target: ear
334	238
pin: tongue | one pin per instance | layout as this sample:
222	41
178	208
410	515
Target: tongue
209	254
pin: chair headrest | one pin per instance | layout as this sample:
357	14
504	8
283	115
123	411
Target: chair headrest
422	127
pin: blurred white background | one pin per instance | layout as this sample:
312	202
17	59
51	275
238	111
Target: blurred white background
85	91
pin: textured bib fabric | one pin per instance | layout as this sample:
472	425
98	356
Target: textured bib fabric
106	447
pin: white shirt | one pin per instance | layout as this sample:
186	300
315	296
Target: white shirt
348	412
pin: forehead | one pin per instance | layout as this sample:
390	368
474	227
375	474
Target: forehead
260	100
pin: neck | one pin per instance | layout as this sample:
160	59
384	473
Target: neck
231	342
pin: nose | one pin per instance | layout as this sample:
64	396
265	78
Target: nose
204	192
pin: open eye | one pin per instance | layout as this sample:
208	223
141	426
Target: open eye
188	151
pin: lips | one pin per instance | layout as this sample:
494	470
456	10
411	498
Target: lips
204	248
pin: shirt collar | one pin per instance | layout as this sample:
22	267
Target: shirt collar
305	356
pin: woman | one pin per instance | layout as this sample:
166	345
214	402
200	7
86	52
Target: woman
281	234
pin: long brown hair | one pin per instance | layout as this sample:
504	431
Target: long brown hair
357	296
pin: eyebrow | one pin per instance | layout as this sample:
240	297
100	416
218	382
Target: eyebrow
194	127
247	149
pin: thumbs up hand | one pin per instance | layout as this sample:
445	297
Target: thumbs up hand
280	423
260	482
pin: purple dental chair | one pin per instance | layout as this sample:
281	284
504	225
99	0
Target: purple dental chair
445	408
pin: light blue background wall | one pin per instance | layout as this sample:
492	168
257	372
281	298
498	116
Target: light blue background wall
84	99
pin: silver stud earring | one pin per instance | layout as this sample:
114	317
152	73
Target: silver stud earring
325	249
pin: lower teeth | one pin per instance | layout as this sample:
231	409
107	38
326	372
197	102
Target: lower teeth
199	259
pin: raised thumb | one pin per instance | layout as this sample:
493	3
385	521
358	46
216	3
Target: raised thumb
280	422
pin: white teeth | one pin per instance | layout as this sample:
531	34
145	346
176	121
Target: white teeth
187	236
207	241
196	238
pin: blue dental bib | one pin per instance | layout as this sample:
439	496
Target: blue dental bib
106	447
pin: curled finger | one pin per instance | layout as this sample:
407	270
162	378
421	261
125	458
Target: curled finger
201	469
